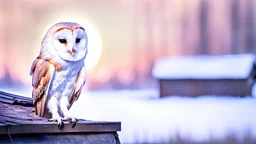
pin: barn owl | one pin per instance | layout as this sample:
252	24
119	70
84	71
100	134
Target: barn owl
58	73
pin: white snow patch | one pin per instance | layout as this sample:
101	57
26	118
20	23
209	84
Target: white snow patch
204	67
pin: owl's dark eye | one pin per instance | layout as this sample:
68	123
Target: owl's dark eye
78	40
63	41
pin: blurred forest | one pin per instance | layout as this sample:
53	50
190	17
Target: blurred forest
134	34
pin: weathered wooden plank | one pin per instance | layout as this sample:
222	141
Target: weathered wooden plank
14	95
17	112
12	98
9	101
88	138
6	97
52	127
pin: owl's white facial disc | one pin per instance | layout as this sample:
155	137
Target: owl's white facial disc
70	45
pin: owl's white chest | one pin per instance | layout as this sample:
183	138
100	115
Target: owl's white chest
63	81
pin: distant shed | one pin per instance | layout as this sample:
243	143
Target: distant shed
231	75
19	124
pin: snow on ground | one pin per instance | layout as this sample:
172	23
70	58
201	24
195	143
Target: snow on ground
146	118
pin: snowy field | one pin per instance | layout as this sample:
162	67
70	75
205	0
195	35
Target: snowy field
147	119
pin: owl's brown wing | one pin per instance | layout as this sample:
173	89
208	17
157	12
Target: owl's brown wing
78	86
42	72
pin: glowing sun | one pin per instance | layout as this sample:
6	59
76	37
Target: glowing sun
94	46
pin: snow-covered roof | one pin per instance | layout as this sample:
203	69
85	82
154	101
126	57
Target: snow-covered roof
204	67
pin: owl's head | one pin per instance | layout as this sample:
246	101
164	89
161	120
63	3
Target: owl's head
68	39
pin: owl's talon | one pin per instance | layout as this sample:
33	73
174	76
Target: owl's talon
73	124
71	120
58	120
60	125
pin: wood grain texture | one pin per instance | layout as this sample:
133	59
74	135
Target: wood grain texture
88	138
199	87
15	99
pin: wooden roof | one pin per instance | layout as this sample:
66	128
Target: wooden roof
15	99
17	116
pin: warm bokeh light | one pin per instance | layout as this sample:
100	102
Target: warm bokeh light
94	46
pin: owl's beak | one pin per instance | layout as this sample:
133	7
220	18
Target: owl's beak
72	52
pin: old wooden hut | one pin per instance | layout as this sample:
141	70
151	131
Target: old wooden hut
231	75
19	124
